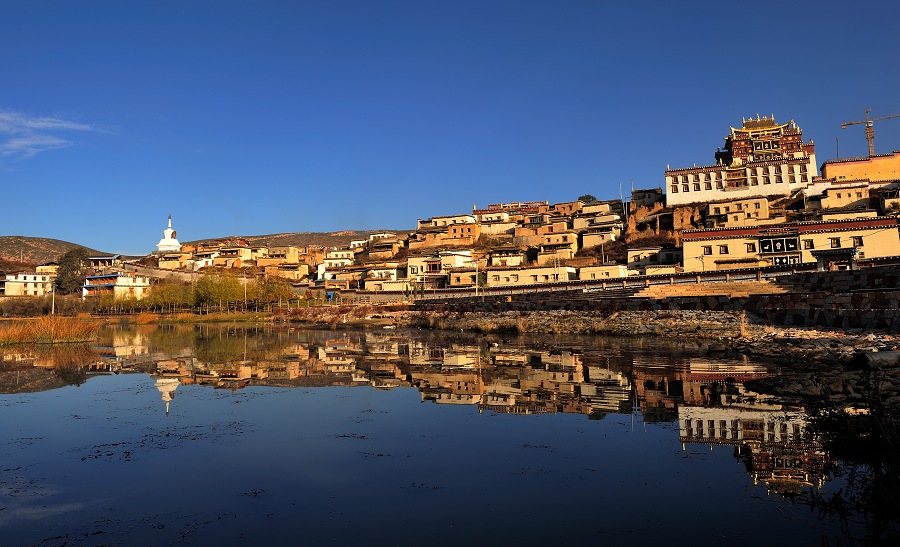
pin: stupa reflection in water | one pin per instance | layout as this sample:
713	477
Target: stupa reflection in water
705	397
167	387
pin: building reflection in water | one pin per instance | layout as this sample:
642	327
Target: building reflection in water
704	396
708	400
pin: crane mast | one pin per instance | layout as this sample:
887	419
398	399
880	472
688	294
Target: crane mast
870	129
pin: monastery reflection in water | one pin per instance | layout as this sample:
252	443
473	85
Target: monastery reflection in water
705	397
711	406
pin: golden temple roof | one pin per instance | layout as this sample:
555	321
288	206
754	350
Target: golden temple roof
750	124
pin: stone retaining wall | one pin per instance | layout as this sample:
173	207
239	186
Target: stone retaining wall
159	273
841	281
730	288
868	299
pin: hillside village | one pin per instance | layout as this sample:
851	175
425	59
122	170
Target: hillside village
762	203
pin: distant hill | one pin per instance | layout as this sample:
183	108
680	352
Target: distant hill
20	252
303	239
16	251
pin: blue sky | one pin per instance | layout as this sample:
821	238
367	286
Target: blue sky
266	117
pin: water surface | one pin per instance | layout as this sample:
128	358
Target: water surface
230	435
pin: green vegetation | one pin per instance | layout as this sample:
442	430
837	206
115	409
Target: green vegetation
218	291
413	290
215	293
36	306
70	276
170	297
482	280
211	294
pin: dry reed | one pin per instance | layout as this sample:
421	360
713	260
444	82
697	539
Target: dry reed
49	329
142	318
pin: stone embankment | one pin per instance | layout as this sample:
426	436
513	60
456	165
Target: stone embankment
722	331
867	299
843	366
677	324
836	333
870	310
846	367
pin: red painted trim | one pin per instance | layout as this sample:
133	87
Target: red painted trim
800	227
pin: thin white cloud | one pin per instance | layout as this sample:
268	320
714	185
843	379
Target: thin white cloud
31	145
14	122
23	136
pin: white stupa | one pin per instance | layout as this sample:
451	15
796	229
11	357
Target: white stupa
168	244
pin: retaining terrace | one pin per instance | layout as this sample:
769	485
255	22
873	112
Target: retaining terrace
865	299
608	288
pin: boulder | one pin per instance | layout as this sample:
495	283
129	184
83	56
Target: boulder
877	360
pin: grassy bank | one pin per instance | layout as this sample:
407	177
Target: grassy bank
150	318
349	316
49	329
222	317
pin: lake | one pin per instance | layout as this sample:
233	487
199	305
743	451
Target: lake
222	434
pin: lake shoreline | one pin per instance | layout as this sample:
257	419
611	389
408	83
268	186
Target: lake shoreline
826	364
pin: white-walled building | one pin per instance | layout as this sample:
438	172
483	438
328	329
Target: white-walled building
762	158
119	285
604	271
29	284
838	242
337	258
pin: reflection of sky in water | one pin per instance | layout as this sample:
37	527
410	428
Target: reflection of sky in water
340	464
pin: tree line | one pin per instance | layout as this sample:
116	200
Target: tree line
221	292
216	292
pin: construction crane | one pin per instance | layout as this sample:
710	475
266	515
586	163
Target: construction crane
870	131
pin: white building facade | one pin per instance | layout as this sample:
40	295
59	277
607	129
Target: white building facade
762	158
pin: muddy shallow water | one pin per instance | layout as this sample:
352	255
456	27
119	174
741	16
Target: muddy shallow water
226	435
